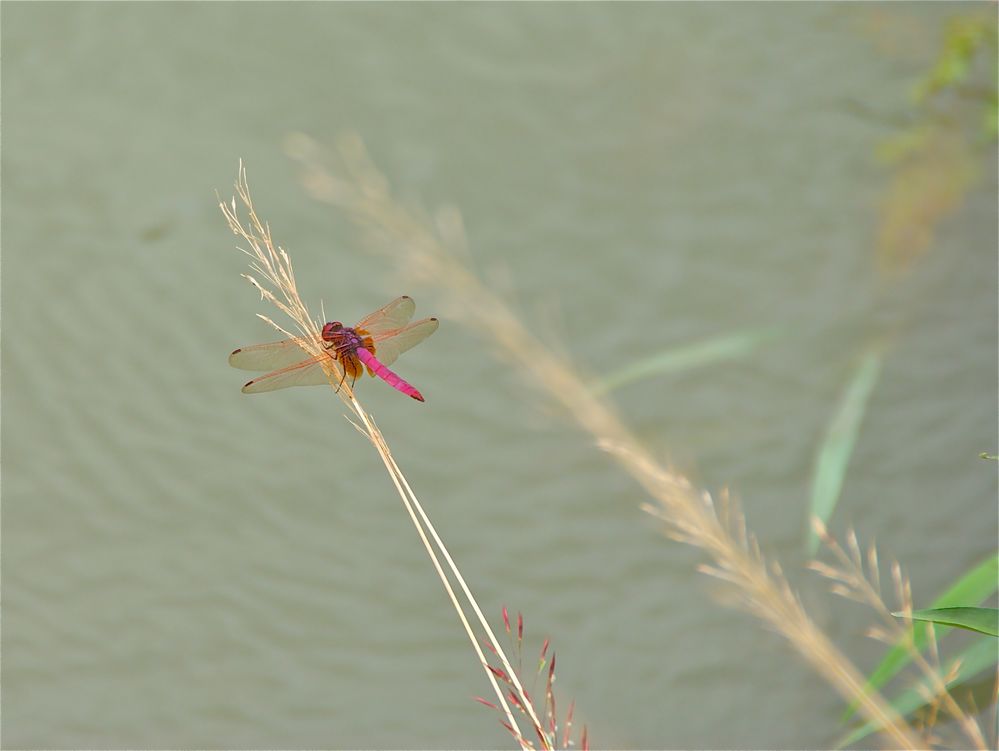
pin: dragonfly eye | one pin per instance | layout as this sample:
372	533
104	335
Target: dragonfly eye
331	328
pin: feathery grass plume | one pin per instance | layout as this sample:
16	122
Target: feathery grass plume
851	579
547	734
432	250
276	283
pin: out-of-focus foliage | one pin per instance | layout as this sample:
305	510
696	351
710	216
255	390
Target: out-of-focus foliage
934	161
926	188
696	354
968	42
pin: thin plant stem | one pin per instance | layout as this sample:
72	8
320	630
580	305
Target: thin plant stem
273	265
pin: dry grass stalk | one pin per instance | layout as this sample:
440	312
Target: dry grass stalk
432	251
994	722
851	579
276	284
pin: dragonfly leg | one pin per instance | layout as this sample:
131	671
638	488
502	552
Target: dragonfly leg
341	380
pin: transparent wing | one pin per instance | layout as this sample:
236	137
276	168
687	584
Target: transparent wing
390	344
393	316
270	356
305	373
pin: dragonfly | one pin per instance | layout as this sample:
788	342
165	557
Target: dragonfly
373	343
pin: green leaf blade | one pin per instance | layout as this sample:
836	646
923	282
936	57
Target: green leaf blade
834	454
982	620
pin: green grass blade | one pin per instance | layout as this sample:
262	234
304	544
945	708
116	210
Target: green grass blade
841	436
977	584
690	356
981	655
982	620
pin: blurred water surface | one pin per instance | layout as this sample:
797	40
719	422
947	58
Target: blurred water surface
185	566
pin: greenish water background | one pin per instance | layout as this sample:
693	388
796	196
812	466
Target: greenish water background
185	566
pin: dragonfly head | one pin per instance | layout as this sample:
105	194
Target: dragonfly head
331	329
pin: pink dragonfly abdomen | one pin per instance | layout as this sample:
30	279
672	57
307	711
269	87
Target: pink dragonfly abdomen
387	375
